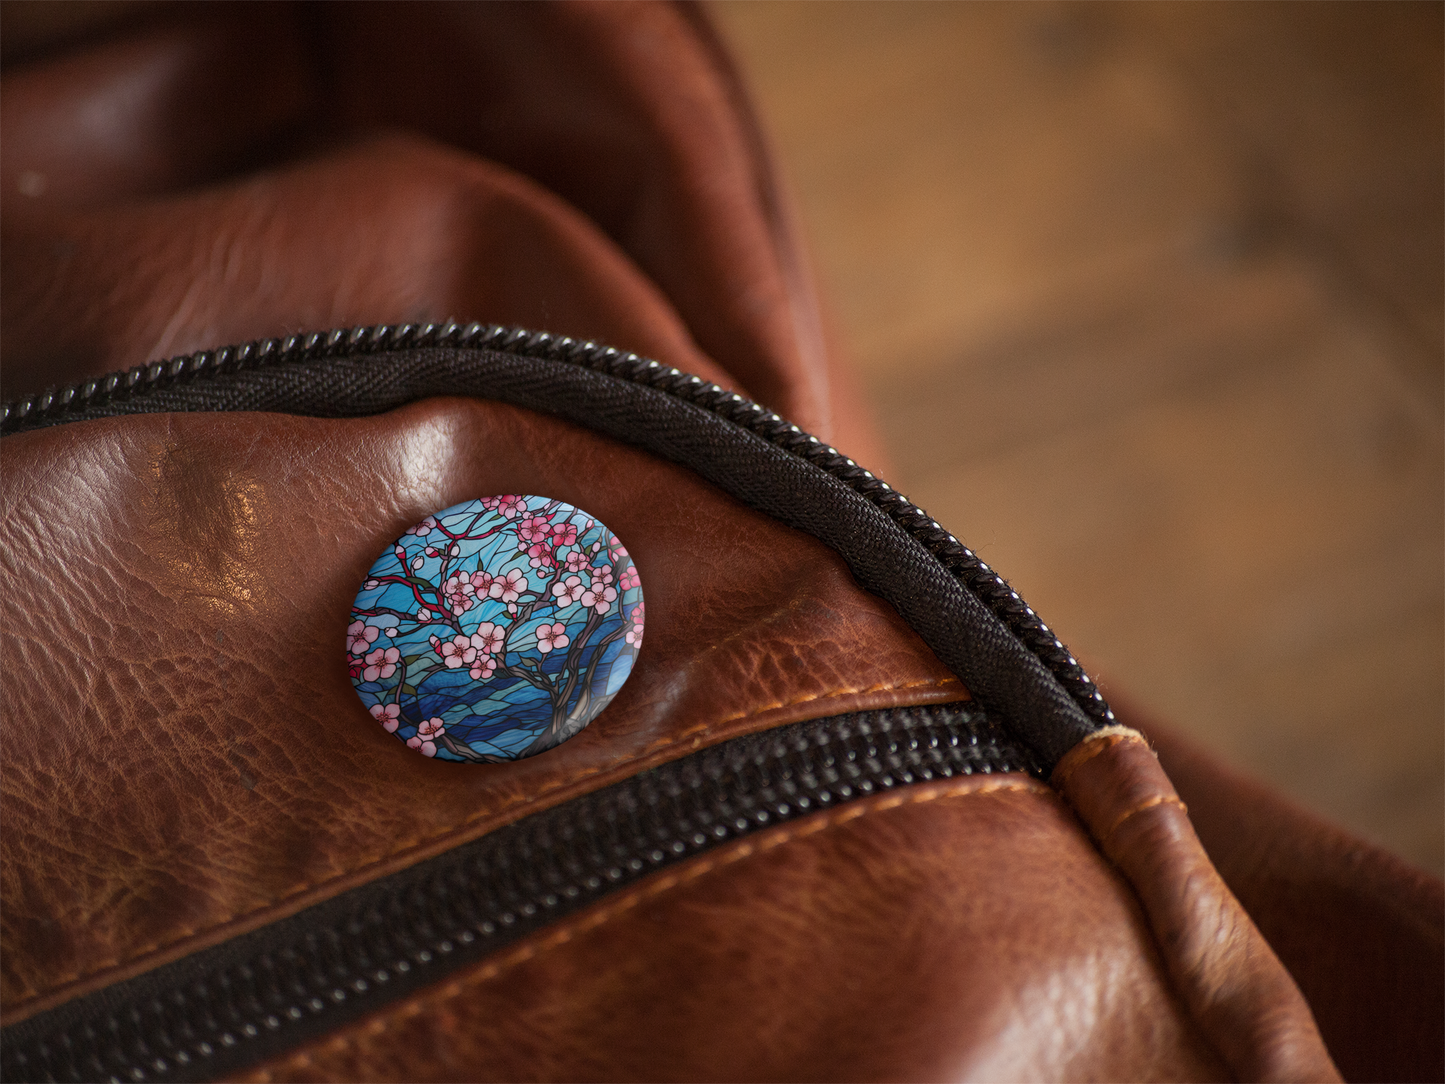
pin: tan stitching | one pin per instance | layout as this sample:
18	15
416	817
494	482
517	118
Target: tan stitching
692	871
1147	803
1091	746
289	894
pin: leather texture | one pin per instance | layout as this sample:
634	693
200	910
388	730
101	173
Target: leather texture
182	162
1233	983
176	589
955	958
1362	932
185	758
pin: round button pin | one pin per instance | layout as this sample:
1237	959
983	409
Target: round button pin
495	629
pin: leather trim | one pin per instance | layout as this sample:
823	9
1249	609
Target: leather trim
1235	986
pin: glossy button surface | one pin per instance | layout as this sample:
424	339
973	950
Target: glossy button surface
495	629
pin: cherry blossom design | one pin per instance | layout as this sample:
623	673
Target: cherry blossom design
381	663
388	715
508	505
600	593
509	586
570	590
551	637
634	629
424	740
360	636
495	629
488	638
458	653
459	594
534	528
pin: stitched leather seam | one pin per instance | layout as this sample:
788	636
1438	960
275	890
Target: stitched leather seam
412	844
1091	746
1147	803
422	1003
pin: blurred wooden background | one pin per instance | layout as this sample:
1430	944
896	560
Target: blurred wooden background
1149	300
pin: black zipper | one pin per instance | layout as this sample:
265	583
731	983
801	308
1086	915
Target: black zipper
123	392
257	995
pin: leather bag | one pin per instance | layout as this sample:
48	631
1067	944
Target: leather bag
856	814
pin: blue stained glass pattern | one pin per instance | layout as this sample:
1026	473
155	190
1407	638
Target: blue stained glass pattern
495	629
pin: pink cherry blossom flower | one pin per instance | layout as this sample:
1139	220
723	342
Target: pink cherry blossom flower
600	598
425	748
564	534
509	587
388	715
482	581
576	561
601	594
569	590
634	634
482	667
629	579
534	528
430	729
550	637
381	664
424	527
488	638
360	636
540	555
457	591
508	504
458	652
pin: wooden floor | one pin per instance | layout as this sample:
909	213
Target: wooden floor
1149	301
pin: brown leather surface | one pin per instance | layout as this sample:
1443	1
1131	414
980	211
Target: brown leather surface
185	756
179	180
1236	988
987	941
448	235
1362	932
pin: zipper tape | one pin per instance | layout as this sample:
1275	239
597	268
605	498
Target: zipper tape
968	615
264	992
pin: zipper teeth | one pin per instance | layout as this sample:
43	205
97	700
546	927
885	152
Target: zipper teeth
486	894
53	404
